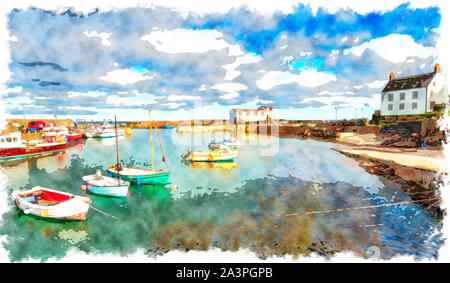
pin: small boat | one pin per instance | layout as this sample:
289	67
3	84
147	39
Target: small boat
48	203
168	127
107	186
223	154
91	132
12	147
141	175
107	131
231	143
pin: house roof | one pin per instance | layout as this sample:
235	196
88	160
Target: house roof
410	82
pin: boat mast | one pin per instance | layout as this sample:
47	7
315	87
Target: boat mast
151	135
117	151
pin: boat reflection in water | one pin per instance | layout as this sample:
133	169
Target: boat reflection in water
220	165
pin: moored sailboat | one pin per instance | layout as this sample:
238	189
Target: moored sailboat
142	175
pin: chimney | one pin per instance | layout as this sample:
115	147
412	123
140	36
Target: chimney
391	76
437	68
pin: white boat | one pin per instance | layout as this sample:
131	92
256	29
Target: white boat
91	132
106	186
108	131
223	154
231	143
48	203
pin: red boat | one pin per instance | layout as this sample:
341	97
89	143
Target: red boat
12	147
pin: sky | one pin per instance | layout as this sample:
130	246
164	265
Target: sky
307	61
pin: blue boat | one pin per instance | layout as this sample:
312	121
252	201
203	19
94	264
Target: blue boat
168	127
106	186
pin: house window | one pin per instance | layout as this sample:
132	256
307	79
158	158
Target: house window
390	107
402	96
390	97
401	106
414	105
415	94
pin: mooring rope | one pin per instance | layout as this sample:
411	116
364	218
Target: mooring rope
315	212
107	214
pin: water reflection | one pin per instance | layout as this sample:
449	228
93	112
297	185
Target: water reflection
263	203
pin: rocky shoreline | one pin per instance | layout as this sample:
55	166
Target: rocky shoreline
421	185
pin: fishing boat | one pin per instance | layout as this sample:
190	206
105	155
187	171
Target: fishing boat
106	186
48	203
142	175
13	147
107	131
52	134
91	132
223	154
231	143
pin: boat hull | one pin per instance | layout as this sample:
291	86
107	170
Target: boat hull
22	152
72	207
118	191
106	186
159	177
110	134
211	156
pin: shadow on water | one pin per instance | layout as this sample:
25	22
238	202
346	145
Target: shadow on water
274	216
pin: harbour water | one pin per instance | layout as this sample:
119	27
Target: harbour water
280	196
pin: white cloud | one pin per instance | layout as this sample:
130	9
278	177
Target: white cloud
182	97
307	77
125	76
248	58
173	105
344	39
229	95
102	35
138	99
346	101
13	38
377	84
15	89
16	102
395	48
326	92
190	41
231	88
88	94
287	60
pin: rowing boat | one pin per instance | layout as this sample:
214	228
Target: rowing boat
106	186
48	203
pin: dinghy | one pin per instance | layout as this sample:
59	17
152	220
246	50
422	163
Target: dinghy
142	175
224	154
106	186
48	203
231	143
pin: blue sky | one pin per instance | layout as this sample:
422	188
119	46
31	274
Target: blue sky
304	62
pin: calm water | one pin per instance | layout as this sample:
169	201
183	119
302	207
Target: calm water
261	202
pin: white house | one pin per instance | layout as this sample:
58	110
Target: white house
263	113
416	94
